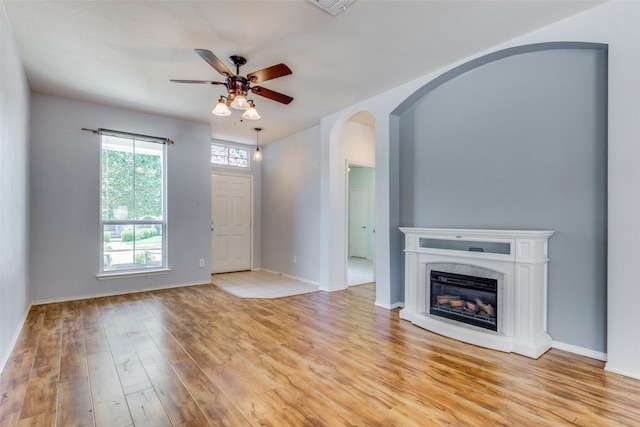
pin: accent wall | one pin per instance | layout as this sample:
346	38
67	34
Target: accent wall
521	143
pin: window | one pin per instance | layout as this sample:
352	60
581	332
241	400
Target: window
133	205
226	155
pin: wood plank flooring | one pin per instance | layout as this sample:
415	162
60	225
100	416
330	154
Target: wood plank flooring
197	356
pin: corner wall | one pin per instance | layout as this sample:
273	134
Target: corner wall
291	206
14	198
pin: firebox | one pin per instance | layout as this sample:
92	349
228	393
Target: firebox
468	299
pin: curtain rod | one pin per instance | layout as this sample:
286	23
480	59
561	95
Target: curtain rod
101	131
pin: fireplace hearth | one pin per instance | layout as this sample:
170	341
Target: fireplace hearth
484	287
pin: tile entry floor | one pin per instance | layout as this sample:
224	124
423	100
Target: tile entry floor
261	284
359	271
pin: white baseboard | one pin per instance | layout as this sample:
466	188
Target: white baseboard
580	350
389	306
14	340
111	294
625	372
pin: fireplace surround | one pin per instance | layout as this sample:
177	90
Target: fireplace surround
492	286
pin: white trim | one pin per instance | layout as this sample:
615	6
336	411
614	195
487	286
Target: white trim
116	293
122	274
14	340
134	222
621	371
389	307
346	222
579	350
215	166
360	164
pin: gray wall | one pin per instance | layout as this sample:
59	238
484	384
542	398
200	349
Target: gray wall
291	206
14	206
520	142
65	198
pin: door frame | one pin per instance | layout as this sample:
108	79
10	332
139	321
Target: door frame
348	163
251	219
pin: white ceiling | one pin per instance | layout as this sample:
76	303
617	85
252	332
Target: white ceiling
123	53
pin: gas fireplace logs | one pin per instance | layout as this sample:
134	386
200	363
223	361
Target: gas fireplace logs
487	308
456	301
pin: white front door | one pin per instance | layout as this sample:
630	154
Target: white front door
358	219
230	223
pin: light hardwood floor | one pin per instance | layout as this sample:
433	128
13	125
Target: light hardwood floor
198	356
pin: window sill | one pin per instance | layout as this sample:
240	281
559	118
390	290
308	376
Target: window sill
126	274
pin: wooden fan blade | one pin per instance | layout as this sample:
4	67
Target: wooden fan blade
269	73
204	82
213	60
272	94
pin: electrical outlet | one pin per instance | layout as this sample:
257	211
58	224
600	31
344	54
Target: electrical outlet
201	263
295	259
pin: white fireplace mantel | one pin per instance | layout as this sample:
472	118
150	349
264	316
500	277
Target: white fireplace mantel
520	256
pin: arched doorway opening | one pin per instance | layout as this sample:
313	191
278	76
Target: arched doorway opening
357	142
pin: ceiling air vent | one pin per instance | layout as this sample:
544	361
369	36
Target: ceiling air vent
333	7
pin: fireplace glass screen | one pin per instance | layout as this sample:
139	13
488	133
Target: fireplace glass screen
468	299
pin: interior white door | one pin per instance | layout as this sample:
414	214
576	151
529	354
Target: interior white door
230	223
358	219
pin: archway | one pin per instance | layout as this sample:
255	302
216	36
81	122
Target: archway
351	138
357	141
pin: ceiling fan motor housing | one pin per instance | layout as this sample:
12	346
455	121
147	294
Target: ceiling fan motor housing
237	85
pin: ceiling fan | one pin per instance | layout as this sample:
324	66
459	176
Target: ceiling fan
239	86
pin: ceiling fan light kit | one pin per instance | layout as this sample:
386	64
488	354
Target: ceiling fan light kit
239	86
251	113
221	108
240	102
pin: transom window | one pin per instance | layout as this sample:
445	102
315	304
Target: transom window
133	205
227	155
